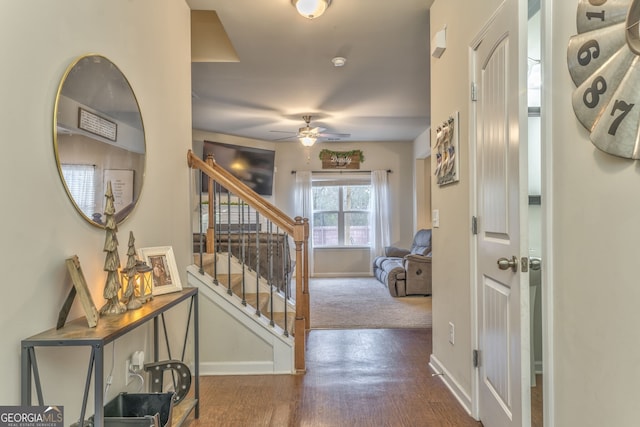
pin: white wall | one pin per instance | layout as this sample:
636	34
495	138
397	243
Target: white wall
422	214
451	241
595	254
422	180
149	41
593	224
397	156
422	145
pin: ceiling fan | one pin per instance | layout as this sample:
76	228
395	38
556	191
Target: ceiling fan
308	135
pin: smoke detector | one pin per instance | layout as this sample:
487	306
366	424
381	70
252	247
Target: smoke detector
339	61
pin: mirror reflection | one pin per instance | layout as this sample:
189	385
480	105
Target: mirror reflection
99	137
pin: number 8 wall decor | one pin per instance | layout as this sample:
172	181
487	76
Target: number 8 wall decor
604	63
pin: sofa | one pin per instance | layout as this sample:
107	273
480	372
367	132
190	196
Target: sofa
406	271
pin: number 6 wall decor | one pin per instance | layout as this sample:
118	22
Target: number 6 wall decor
604	63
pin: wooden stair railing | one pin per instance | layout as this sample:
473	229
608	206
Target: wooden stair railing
297	228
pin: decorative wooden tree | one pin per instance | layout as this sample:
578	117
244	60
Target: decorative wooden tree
129	295
112	260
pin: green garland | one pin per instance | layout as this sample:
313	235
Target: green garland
342	154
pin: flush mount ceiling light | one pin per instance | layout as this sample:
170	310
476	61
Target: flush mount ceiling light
311	9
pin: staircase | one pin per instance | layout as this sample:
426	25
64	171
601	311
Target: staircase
242	318
244	268
250	290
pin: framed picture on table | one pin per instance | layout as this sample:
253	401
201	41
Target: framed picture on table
165	278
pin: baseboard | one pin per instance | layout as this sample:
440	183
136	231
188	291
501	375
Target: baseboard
239	368
338	275
244	319
453	385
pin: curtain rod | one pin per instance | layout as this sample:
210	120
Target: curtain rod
341	171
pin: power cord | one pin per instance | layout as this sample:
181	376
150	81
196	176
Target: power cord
136	373
110	376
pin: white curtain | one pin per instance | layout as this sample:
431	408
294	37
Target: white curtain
379	219
304	206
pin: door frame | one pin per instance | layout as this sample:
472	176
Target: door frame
546	116
546	158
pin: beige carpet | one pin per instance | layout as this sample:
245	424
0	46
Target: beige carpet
364	303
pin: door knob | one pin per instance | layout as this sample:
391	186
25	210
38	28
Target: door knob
505	263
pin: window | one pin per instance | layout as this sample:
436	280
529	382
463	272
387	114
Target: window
341	213
80	180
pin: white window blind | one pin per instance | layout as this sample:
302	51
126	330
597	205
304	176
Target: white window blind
80	180
341	210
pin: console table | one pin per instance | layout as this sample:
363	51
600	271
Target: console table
110	328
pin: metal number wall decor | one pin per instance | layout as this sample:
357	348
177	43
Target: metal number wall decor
604	63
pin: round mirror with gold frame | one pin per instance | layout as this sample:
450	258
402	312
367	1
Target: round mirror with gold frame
98	137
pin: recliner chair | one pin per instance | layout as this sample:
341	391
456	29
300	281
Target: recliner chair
406	271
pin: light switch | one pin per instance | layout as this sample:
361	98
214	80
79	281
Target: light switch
435	218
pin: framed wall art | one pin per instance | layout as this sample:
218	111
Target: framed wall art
80	289
341	159
121	186
446	151
165	278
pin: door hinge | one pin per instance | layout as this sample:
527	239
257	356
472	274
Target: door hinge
474	225
474	91
476	358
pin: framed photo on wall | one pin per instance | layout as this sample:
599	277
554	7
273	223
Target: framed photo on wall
165	278
446	151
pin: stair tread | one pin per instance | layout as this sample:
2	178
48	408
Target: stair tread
251	299
250	295
278	319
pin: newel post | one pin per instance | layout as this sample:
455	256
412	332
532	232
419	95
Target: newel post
305	292
300	322
211	234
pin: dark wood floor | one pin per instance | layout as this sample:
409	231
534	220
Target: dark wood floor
373	377
536	403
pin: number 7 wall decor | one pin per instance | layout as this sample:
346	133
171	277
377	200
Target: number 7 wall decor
603	60
446	151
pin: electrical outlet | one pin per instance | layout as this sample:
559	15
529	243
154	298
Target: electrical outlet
452	333
137	360
133	366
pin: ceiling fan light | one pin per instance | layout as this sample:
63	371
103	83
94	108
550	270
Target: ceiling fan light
311	9
308	141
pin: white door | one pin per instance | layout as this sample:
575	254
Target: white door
502	305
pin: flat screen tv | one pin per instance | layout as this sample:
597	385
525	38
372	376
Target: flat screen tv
253	166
